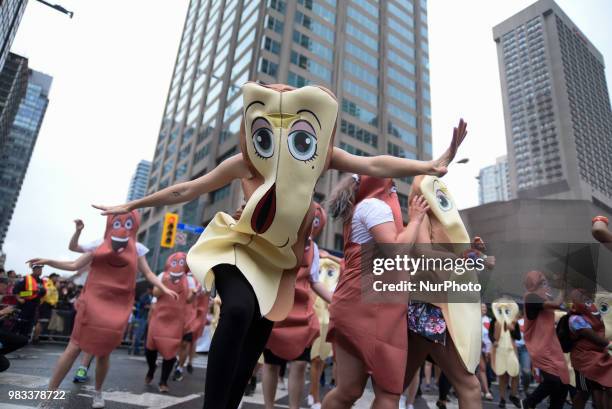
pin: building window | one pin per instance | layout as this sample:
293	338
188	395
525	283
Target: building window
296	80
363	114
268	67
358	133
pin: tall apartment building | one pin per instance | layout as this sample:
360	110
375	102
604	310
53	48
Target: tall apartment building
372	54
11	12
16	152
13	83
556	107
138	183
494	182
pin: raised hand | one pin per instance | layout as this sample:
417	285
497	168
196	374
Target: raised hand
36	261
79	224
418	208
106	210
440	166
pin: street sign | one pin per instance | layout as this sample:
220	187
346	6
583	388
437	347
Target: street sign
190	228
181	238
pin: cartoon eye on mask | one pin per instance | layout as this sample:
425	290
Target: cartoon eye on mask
316	222
604	308
173	264
129	223
507	311
444	202
302	141
263	138
117	224
181	262
330	273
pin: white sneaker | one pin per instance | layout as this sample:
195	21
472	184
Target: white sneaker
310	400
316	405
402	402
98	400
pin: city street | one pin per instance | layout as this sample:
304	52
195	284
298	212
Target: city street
124	388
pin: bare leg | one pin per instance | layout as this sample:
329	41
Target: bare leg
503	386
63	365
269	382
466	384
428	368
514	385
37	330
102	365
482	375
413	387
183	352
316	368
192	351
351	378
384	399
297	373
86	359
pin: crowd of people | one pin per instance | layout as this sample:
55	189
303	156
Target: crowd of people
281	302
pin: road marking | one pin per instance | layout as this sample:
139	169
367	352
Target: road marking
147	399
24	381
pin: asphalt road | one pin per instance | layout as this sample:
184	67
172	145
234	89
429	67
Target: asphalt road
125	389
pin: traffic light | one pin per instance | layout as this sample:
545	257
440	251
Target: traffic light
169	231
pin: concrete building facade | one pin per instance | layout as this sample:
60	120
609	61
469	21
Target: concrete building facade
556	107
372	55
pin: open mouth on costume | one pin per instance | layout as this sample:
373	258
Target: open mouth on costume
117	264
119	243
264	213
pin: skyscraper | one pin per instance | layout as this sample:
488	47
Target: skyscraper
13	84
138	183
11	12
372	55
556	107
16	152
494	183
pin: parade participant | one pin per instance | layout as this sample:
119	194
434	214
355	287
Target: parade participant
9	341
202	302
542	342
291	339
449	332
321	349
29	291
369	338
504	358
106	301
47	304
603	299
591	352
167	320
188	339
286	142
485	355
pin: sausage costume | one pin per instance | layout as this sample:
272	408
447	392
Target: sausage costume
458	353
105	304
191	317
201	302
376	333
588	358
329	273
504	357
286	138
168	317
291	336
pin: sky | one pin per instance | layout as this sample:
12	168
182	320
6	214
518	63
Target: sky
111	67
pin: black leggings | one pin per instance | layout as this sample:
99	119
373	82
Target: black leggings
167	366
10	342
551	385
238	342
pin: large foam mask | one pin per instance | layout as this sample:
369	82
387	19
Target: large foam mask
176	264
287	140
329	273
118	250
603	302
505	311
443	209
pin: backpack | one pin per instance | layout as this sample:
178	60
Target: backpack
564	334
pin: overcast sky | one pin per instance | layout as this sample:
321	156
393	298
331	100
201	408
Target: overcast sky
111	67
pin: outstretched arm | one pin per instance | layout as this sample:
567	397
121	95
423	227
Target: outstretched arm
230	169
386	166
143	267
64	265
600	231
74	240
